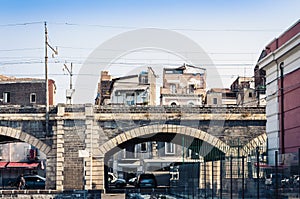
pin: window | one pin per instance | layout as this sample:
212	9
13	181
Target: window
143	79
144	147
191	88
250	94
118	93
169	148
130	99
6	97
173	88
215	101
32	98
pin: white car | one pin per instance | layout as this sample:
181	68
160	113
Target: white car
271	179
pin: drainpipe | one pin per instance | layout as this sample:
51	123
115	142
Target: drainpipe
281	127
282	107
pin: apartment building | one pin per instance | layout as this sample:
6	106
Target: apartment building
184	85
25	91
280	60
139	89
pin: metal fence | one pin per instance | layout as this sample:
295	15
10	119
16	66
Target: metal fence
237	177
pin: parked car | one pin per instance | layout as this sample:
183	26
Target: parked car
31	182
35	182
132	181
296	180
113	181
146	180
271	179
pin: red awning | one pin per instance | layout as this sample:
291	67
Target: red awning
3	164
262	165
22	165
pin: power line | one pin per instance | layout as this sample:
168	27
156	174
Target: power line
126	63
8	59
121	50
21	24
175	29
153	50
20	49
137	27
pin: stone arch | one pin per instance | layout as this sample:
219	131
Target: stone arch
255	142
164	128
20	135
98	162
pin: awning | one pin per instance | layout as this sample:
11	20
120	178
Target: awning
3	164
22	165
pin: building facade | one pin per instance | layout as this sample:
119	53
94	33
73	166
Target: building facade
260	86
220	97
17	157
244	88
184	85
128	90
25	91
281	61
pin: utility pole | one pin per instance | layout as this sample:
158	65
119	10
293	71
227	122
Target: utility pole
69	92
46	76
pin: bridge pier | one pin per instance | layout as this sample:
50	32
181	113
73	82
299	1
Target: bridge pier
94	164
59	155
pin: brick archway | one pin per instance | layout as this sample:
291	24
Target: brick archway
25	137
164	128
149	130
258	141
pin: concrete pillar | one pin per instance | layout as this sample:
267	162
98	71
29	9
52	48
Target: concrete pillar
51	170
58	144
94	174
60	155
93	166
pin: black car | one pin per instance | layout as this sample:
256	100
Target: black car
34	182
118	183
31	182
146	180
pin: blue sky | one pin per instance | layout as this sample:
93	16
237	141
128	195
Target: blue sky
231	31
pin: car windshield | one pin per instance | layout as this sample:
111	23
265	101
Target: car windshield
147	181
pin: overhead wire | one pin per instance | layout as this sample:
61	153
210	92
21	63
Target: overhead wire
168	28
39	60
21	24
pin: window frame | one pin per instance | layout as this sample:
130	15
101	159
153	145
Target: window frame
6	97
146	147
215	101
173	88
30	98
172	151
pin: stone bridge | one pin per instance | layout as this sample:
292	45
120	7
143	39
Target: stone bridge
80	137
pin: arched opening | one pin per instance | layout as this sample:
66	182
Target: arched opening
21	153
193	146
173	104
